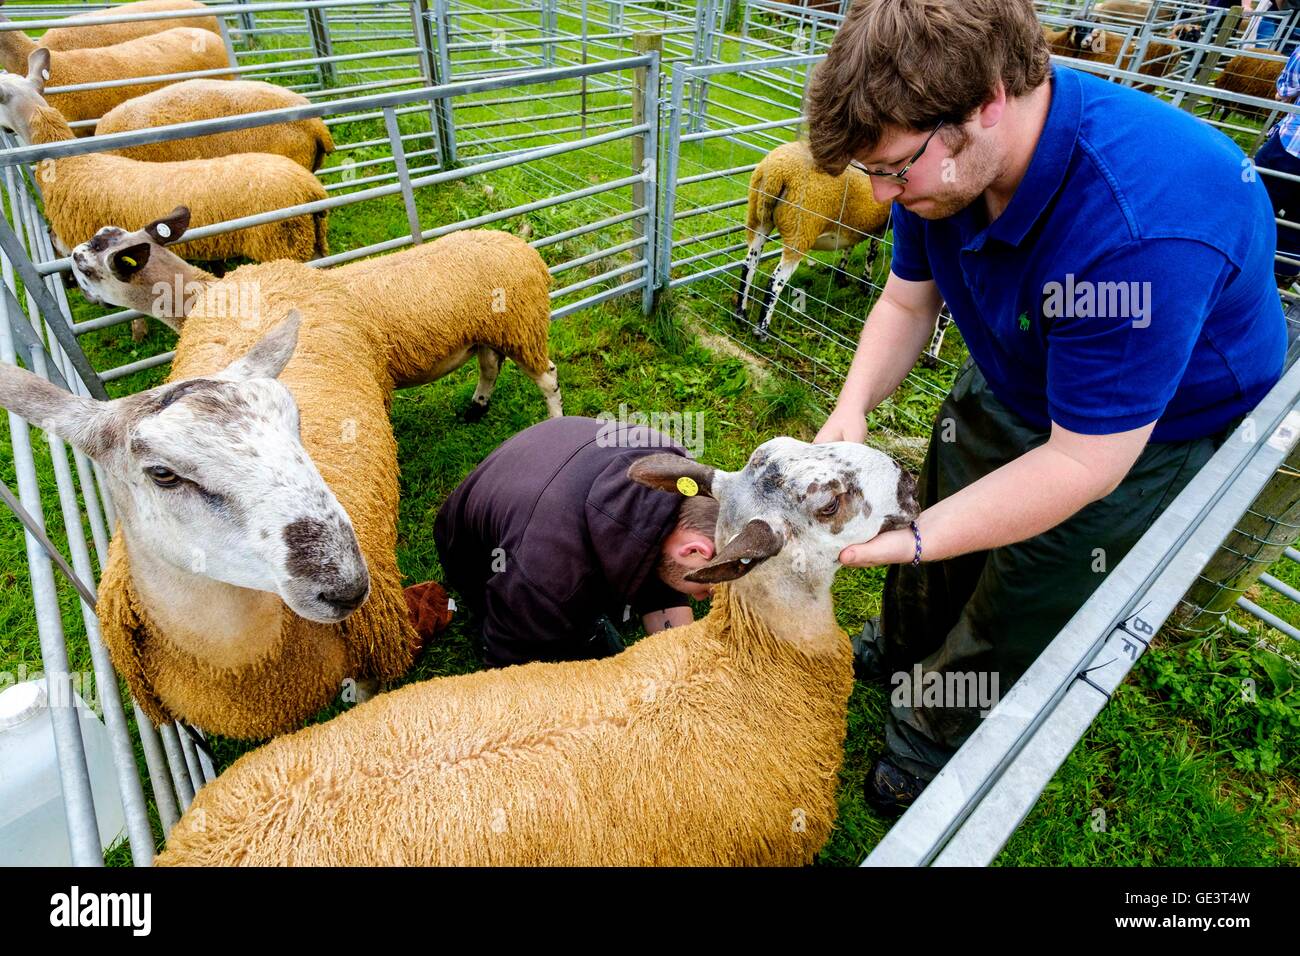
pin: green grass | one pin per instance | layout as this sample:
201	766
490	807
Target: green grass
1181	768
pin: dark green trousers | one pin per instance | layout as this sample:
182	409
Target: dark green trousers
979	620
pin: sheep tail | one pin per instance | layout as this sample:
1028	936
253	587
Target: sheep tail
765	190
324	146
321	221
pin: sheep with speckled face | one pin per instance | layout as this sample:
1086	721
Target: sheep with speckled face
717	743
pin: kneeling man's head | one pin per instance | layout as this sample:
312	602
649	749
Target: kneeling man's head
689	546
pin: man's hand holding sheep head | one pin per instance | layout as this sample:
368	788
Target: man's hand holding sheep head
792	509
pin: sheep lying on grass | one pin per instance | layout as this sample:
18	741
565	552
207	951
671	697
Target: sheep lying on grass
718	743
107	34
81	193
261	572
172	51
475	292
307	142
810	210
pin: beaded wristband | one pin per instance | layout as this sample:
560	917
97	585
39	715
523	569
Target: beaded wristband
916	558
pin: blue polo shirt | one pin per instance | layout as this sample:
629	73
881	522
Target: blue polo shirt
1130	278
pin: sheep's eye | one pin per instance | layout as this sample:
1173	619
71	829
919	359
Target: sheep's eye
162	477
829	510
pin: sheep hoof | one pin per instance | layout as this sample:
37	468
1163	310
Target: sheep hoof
929	361
367	688
760	332
475	412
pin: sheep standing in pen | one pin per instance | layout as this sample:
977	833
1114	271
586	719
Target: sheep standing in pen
253	569
810	210
173	51
717	743
1102	46
1250	73
81	193
477	292
307	142
107	34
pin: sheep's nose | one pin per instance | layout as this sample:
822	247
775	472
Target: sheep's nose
347	598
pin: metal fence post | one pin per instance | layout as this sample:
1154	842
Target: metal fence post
439	116
672	159
403	174
443	106
645	147
318	29
1227	27
247	23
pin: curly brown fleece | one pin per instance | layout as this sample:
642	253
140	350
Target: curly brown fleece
107	34
339	377
718	743
307	142
172	51
82	193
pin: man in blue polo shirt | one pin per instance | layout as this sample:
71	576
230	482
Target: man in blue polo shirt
1108	260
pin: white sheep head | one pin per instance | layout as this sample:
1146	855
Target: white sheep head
20	96
209	477
786	516
131	269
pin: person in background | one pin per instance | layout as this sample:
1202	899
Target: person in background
553	547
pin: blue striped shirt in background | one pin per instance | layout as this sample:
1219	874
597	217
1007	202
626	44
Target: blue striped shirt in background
1288	86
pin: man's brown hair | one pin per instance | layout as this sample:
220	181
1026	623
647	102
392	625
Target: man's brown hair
913	63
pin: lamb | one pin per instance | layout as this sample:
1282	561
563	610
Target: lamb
1251	73
717	743
810	210
83	192
474	292
108	34
172	51
307	142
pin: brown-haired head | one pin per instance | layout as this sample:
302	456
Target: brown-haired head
911	64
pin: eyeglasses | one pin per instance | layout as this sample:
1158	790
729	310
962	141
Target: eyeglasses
899	177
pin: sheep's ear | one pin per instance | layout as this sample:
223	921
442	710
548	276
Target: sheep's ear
755	544
1097	41
125	263
271	353
38	69
81	421
170	227
673	473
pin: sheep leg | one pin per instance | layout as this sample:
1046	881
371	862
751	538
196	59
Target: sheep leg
139	329
930	358
489	367
842	270
549	383
868	271
780	276
747	270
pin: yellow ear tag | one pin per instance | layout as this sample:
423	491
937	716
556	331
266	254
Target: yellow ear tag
687	486
128	260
